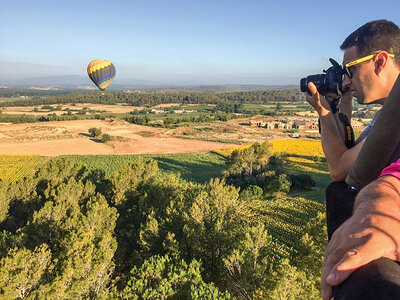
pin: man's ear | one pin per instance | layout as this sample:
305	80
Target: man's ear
380	61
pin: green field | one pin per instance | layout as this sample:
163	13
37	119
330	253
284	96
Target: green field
196	167
199	108
5	99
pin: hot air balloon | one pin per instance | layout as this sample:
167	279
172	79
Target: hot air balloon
101	72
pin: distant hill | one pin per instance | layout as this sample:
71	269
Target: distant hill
78	82
226	88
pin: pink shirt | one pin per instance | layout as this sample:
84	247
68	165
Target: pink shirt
393	169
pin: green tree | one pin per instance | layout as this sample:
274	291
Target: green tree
162	278
105	138
95	132
290	283
250	264
311	252
213	227
23	270
78	226
246	161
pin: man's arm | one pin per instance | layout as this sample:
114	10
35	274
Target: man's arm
339	158
371	233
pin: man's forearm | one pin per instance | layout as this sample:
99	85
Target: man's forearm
382	194
340	126
332	142
337	155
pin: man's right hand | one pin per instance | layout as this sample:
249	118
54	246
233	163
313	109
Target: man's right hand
317	101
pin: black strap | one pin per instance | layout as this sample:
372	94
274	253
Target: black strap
335	105
348	131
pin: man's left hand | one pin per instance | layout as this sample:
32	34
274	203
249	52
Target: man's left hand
371	233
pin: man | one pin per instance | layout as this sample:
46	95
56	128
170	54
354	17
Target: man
371	62
372	54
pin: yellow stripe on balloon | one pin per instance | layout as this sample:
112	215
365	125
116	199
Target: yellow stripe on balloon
97	65
105	84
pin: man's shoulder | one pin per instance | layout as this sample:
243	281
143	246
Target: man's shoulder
369	127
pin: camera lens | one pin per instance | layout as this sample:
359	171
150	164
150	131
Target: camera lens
303	85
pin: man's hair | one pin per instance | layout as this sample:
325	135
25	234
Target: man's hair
374	36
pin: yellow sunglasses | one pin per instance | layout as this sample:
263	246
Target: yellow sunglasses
360	60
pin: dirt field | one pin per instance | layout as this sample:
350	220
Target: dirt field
71	137
28	110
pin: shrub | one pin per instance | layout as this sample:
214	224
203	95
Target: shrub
301	181
105	138
252	191
95	132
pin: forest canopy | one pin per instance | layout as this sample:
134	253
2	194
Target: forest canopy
155	98
71	233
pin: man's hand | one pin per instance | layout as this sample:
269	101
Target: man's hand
347	96
371	233
317	101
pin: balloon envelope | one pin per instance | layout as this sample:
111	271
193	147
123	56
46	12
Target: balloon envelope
102	73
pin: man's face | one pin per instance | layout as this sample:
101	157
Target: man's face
362	83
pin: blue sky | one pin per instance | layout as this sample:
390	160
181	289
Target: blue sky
181	42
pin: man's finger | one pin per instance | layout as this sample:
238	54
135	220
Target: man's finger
334	253
312	88
329	262
326	292
351	261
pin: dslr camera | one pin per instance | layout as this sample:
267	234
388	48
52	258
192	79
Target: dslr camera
330	81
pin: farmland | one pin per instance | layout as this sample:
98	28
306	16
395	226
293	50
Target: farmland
303	156
156	187
283	217
13	167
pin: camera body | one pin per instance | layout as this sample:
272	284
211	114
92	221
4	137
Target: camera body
330	81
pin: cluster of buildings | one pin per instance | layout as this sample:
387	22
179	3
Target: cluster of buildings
294	124
285	124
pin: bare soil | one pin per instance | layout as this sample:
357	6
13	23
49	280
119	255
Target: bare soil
28	110
71	137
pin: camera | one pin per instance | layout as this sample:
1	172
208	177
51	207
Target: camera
330	81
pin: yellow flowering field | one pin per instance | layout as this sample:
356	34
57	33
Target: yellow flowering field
13	167
306	147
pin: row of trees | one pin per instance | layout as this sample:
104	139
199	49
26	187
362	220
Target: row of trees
177	121
19	92
68	233
154	98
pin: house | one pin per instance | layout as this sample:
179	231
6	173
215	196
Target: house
287	125
299	124
270	125
311	125
257	123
